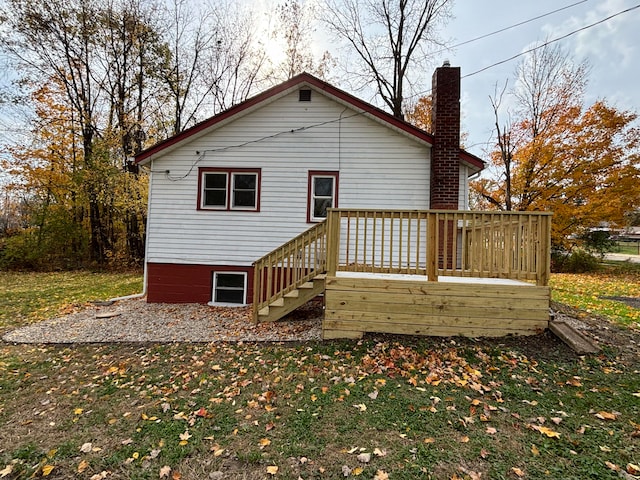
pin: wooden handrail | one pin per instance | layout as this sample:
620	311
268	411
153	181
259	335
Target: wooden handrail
512	245
290	265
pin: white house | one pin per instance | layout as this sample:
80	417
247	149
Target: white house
234	187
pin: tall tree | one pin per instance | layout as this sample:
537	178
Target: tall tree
295	24
556	154
390	38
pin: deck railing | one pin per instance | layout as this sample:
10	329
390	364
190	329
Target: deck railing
513	245
289	266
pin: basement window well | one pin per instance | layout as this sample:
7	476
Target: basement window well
229	289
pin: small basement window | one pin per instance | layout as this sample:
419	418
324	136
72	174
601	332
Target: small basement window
229	288
304	95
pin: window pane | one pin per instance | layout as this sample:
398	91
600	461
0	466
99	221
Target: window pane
244	199
245	182
215	198
323	186
229	296
230	280
215	180
320	206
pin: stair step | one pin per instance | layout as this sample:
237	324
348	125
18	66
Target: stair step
306	285
293	294
320	276
279	302
263	312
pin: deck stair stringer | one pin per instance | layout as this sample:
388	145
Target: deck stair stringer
286	304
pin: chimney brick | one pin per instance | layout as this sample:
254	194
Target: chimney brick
445	153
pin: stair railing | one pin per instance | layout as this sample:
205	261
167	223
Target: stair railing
290	265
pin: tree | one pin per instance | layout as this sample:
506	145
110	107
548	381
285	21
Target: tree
390	38
558	155
296	25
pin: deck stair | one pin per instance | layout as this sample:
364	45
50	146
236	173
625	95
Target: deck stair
291	275
297	297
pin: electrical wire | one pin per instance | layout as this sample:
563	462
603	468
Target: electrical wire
202	154
537	47
549	42
475	39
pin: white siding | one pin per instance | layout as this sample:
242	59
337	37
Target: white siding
379	168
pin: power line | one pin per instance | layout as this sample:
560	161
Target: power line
537	47
475	39
549	42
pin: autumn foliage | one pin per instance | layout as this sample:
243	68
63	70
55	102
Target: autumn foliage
580	162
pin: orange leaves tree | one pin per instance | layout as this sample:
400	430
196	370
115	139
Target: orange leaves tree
556	154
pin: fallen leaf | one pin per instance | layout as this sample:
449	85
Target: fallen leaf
82	466
546	431
381	475
165	471
612	466
86	447
633	469
346	470
464	439
535	450
272	469
491	430
373	395
379	453
176	476
47	469
517	471
361	406
364	457
602	415
264	442
6	471
358	471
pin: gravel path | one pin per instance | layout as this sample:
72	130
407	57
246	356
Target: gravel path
135	320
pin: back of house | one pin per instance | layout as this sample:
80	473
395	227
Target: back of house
236	186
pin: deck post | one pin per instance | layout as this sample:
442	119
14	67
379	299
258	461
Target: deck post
544	259
432	248
333	241
257	286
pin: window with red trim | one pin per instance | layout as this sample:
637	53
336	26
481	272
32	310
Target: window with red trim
322	194
229	189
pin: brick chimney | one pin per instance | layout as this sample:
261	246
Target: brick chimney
445	122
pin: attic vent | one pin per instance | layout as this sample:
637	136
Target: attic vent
305	96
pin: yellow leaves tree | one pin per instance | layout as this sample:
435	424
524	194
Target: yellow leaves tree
582	163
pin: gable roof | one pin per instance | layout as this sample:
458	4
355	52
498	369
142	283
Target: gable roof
371	111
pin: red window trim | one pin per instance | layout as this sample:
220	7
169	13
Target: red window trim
229	172
323	173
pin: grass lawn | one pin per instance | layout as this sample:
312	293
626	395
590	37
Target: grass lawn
384	407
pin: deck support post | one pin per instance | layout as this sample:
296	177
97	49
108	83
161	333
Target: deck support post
333	241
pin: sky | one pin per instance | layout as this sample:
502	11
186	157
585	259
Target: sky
612	50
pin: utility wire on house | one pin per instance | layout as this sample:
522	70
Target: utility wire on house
201	154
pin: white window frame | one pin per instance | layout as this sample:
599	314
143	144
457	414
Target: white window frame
232	190
215	288
203	196
313	196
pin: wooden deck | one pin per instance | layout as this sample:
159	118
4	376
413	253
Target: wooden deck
416	272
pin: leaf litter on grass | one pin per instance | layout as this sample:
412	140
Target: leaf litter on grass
247	407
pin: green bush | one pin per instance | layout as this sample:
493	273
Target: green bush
577	261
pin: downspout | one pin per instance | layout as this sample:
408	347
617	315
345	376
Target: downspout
146	250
